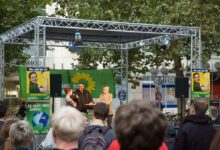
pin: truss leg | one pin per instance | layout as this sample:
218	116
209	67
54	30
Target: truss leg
196	50
2	71
40	40
124	75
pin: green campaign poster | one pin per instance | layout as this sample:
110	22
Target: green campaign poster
38	116
38	83
93	80
200	83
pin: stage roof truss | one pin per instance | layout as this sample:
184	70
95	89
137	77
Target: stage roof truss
50	31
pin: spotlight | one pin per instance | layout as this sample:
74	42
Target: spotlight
78	37
165	42
76	43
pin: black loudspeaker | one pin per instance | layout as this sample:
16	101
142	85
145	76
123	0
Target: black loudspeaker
55	85
181	87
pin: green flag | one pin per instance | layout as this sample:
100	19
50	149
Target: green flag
22	79
94	80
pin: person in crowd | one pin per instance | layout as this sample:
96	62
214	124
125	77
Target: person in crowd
139	126
3	111
197	87
69	101
83	97
67	125
158	94
34	87
49	143
100	113
106	98
21	135
196	132
22	111
215	144
158	97
5	134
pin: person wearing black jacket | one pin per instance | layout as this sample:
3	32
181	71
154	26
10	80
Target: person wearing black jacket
100	113
196	132
82	97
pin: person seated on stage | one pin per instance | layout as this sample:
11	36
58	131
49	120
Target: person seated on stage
21	135
100	113
106	98
67	125
83	97
69	101
139	126
34	87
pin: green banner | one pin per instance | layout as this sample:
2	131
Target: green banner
200	83
201	86
38	116
34	83
22	80
38	83
94	80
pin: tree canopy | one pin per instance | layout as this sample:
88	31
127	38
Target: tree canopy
12	13
199	13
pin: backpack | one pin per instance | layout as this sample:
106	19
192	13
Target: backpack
94	139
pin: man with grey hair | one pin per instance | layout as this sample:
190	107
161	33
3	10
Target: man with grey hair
21	135
67	125
196	132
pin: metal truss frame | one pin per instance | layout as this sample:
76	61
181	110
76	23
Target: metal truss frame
40	24
2	71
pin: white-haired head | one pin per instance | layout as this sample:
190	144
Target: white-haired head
21	134
67	124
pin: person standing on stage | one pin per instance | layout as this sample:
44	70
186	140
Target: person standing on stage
83	97
69	100
106	98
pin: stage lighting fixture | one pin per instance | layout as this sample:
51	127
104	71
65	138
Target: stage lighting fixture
78	39
165	42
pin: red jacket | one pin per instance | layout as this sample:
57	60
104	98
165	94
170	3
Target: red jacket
116	146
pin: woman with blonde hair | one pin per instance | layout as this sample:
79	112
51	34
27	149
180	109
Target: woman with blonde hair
106	98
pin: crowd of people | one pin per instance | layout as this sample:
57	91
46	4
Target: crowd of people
138	125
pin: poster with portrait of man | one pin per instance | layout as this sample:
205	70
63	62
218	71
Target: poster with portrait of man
200	83
38	83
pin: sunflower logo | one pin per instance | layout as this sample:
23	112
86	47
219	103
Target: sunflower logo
86	79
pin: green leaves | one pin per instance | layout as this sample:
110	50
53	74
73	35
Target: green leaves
200	13
12	13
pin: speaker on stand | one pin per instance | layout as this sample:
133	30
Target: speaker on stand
181	92
55	87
